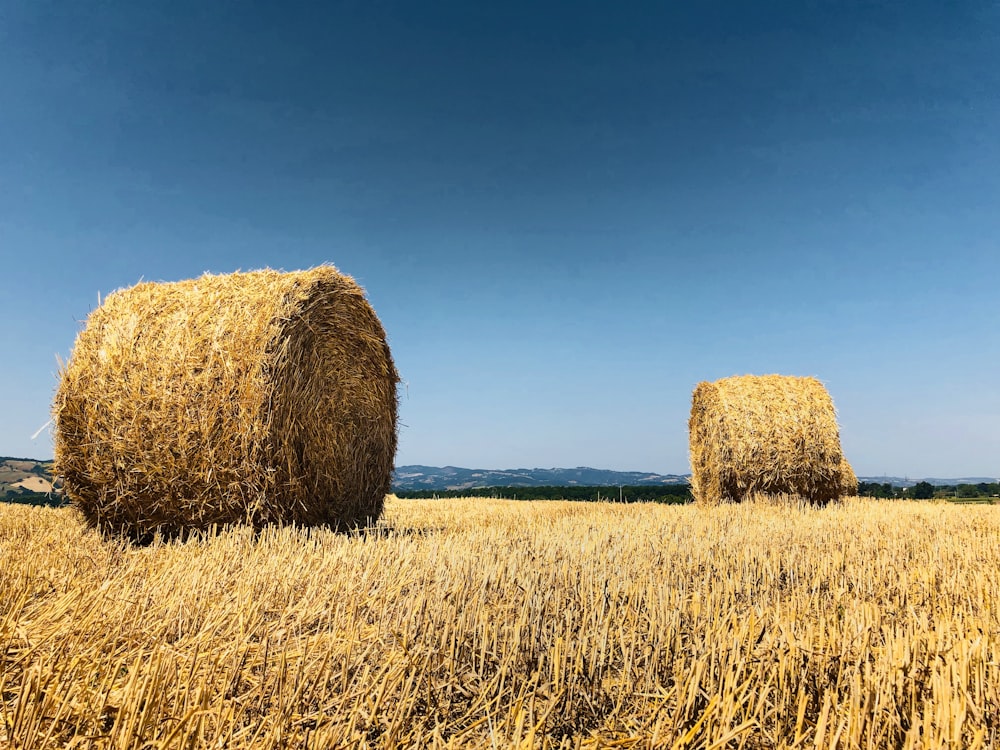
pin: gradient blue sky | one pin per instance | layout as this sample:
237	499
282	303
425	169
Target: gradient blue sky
566	214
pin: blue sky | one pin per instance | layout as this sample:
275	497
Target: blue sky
565	214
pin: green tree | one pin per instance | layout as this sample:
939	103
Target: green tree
922	491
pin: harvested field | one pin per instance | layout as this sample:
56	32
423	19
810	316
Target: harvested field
480	623
34	484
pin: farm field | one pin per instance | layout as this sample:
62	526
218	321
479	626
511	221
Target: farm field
488	623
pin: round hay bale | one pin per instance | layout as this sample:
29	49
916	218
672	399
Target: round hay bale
767	434
261	397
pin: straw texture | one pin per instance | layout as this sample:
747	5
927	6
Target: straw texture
260	397
848	480
767	434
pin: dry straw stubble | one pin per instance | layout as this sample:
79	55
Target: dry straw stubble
482	623
769	434
254	397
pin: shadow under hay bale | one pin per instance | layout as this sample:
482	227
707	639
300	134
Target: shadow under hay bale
768	434
260	397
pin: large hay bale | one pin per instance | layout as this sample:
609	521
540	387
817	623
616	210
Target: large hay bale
261	397
768	434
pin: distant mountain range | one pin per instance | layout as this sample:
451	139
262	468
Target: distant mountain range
418	477
456	478
24	477
27	476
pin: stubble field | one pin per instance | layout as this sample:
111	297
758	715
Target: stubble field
485	623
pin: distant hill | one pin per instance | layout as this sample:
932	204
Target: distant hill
456	478
25	476
24	479
417	477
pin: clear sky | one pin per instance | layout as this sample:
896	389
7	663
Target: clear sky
566	214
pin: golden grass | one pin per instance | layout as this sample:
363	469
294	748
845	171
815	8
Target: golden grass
484	623
256	397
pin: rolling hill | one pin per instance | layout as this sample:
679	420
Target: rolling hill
23	478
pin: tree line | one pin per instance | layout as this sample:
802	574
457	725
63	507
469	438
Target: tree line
670	493
681	493
667	493
26	497
928	491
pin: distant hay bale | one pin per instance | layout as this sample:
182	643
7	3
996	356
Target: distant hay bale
260	397
768	434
